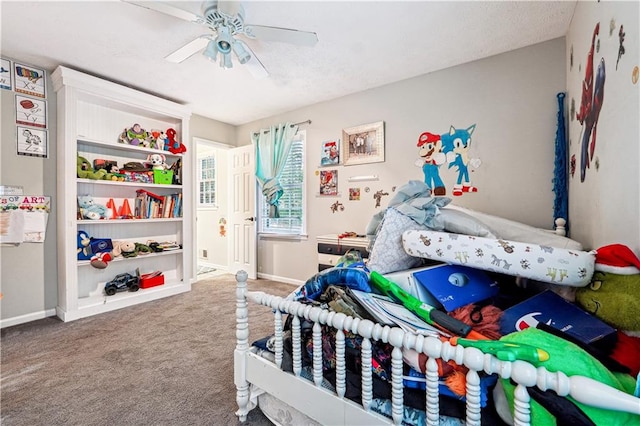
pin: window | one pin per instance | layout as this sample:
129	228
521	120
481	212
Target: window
207	181
292	204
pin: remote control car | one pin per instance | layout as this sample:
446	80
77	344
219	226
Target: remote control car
123	282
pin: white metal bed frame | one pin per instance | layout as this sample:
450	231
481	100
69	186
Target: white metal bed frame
327	407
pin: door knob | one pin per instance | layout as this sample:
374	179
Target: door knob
250	219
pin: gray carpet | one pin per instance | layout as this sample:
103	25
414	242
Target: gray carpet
166	362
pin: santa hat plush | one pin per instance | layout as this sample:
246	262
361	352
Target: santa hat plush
617	259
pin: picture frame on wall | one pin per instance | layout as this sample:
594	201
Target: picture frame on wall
31	111
363	144
5	75
329	182
330	155
29	80
32	142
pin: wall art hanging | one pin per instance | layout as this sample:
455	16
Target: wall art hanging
363	144
29	80
5	74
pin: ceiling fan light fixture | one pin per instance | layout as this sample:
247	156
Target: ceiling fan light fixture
225	61
224	40
241	53
211	52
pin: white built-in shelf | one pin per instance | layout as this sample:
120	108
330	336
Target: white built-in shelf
118	183
138	257
91	114
128	221
123	147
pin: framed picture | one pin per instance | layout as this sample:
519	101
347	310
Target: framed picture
5	75
32	142
363	144
29	80
330	154
32	112
328	182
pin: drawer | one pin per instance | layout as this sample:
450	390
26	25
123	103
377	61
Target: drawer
328	259
340	249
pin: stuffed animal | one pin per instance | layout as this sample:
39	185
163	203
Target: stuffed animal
86	171
83	246
175	147
136	135
571	360
124	249
91	210
157	162
614	292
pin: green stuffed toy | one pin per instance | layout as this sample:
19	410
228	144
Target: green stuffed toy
614	292
571	360
86	171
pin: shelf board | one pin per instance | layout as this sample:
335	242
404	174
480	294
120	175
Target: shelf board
122	146
127	221
141	256
137	184
100	303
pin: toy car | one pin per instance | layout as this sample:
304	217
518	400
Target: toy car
122	282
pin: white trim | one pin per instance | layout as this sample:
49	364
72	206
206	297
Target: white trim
21	319
280	279
618	270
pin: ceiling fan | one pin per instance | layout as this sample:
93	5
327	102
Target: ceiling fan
225	19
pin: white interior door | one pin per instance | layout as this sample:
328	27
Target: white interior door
242	211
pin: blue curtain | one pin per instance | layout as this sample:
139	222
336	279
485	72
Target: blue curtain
272	150
561	202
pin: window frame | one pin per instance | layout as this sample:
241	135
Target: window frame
200	204
262	207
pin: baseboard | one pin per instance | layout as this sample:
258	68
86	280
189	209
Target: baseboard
27	318
280	279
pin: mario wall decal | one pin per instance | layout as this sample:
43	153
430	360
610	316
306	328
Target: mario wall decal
450	148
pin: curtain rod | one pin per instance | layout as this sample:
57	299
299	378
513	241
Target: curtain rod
294	124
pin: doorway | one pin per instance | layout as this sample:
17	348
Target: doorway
211	197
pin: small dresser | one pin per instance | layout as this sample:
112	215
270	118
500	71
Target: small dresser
332	247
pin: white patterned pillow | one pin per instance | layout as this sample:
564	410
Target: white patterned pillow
387	254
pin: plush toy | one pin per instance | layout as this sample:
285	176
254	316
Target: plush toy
136	135
124	249
100	260
157	162
175	147
83	246
91	210
156	139
571	360
86	171
614	292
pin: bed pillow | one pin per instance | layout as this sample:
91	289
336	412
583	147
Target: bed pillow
461	223
542	263
387	254
521	232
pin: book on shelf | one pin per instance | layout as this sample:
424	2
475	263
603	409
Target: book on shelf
152	206
388	312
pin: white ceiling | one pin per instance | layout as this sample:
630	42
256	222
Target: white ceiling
361	45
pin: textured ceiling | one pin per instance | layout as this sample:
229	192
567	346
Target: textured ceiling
361	45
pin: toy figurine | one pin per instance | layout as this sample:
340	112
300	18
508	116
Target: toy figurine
175	147
136	135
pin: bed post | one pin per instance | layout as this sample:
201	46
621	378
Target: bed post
242	346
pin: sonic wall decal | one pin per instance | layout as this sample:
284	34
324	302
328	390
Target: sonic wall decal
592	98
449	148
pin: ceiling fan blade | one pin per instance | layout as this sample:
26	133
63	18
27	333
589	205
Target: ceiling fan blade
283	35
167	10
254	65
188	50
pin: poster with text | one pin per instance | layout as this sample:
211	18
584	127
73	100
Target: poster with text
29	80
32	112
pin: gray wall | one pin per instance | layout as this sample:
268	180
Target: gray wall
28	280
510	97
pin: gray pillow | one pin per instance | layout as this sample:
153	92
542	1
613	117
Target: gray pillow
461	223
387	254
